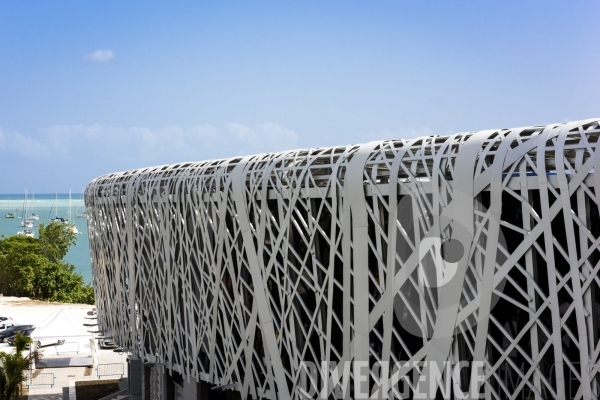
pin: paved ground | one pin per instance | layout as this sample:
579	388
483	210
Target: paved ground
25	311
66	374
50	396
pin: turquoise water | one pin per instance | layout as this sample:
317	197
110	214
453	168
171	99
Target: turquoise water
44	206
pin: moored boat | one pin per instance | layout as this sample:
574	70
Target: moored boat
9	214
26	222
33	216
26	232
80	214
57	219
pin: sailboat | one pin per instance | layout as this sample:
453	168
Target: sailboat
56	218
72	228
25	222
81	214
9	214
33	216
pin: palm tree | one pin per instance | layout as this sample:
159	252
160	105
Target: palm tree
12	368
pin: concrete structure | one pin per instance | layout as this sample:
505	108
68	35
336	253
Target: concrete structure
269	274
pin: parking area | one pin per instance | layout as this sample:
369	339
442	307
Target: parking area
74	352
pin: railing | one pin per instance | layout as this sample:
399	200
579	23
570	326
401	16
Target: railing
68	347
40	380
110	369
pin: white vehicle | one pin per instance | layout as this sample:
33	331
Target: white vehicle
6	323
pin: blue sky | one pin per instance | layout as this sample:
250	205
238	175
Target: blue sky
92	87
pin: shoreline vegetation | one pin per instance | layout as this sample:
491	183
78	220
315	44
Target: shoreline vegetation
35	267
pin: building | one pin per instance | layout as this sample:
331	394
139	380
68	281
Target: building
444	264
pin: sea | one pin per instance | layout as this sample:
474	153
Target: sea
47	206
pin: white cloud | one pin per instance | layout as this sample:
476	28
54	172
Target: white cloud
23	145
30	147
130	147
263	137
99	56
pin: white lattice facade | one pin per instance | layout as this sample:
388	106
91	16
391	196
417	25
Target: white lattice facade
242	271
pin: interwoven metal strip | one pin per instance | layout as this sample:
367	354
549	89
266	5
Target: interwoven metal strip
254	270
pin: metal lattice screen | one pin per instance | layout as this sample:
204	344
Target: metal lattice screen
247	270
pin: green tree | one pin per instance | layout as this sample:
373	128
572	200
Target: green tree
13	366
19	259
35	267
55	240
